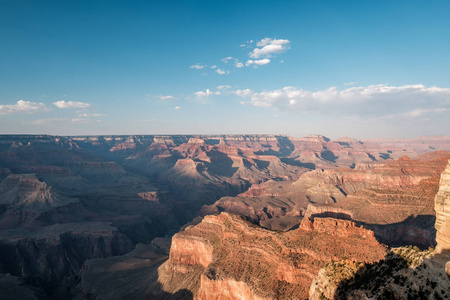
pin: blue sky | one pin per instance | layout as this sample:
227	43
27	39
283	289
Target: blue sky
340	68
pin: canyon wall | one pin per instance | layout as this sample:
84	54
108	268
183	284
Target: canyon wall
227	256
442	207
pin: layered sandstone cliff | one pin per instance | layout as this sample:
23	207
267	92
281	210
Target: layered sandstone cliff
442	207
405	273
229	257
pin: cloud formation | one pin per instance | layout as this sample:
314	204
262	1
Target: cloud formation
22	106
206	93
256	63
85	115
226	59
246	44
71	104
167	97
222	72
267	47
197	66
374	101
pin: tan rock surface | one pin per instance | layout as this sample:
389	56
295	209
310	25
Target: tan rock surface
231	258
442	207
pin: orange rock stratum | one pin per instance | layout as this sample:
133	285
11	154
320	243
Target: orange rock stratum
227	257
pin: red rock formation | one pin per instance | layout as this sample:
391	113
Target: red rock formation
225	255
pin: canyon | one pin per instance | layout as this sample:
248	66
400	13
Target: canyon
253	216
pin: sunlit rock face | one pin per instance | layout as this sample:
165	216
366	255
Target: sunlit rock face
227	257
442	207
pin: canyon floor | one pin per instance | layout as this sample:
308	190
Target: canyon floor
208	217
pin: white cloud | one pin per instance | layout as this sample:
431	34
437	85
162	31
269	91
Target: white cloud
167	97
222	72
244	93
177	107
197	66
226	59
71	104
213	67
206	93
80	121
222	87
349	83
370	101
22	106
239	64
260	62
85	115
246	43
269	47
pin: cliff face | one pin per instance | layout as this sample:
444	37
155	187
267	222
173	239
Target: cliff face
51	257
147	186
442	207
226	255
405	273
396	197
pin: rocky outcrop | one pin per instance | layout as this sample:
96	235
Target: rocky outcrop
26	192
405	273
51	257
227	255
120	277
395	196
442	207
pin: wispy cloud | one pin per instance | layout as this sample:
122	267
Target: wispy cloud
259	56
256	63
206	93
22	106
246	44
86	115
71	104
371	101
222	72
177	107
226	59
53	121
223	87
267	47
166	97
197	66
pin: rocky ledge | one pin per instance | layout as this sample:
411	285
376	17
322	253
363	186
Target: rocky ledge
226	255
